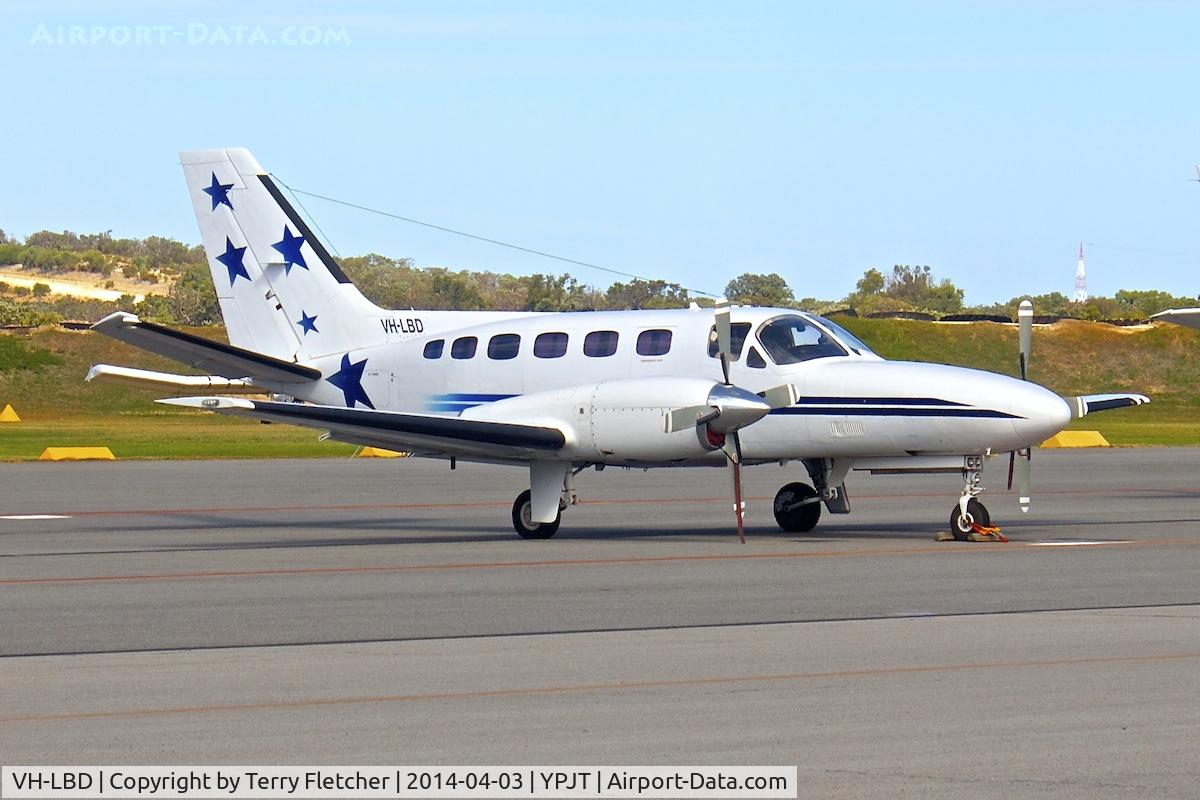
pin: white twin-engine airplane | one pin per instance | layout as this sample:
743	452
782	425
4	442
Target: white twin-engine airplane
561	392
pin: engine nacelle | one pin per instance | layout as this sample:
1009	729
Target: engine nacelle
614	421
628	419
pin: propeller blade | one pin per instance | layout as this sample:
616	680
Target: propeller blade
780	396
683	418
1012	456
1025	331
733	452
738	508
724	337
1024	478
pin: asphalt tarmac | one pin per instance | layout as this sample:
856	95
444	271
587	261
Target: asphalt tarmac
372	611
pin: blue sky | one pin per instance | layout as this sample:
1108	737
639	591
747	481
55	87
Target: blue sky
685	141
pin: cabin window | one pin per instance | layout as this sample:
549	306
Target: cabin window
464	347
550	345
655	342
753	359
738	332
434	349
503	346
599	344
790	339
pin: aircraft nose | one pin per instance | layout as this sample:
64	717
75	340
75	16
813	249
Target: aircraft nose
1040	413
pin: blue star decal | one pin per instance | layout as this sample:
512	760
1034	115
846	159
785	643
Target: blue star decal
232	259
290	249
349	380
219	192
308	323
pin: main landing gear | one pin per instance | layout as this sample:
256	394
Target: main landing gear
550	479
522	517
968	512
797	508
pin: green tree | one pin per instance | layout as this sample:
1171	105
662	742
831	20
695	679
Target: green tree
1053	304
192	300
917	286
95	261
754	289
871	283
869	287
645	294
454	291
11	253
1142	303
552	293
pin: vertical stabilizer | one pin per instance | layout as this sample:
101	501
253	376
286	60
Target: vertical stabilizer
281	293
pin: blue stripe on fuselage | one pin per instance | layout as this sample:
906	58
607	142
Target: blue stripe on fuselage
458	402
877	401
862	411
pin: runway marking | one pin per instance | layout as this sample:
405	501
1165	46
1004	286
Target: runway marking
35	516
1077	544
624	686
659	628
706	500
569	562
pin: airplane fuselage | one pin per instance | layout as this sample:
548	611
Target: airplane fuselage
576	371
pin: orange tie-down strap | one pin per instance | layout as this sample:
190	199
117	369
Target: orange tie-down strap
982	533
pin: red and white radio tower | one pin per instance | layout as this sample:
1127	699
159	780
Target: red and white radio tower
1080	279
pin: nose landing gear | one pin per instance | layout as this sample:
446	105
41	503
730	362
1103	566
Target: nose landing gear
968	512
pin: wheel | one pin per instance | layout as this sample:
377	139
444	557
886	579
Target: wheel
960	525
525	526
797	518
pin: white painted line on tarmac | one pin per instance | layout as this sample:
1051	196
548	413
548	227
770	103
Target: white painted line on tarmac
1077	544
35	516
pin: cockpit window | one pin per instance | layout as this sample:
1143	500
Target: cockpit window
791	339
856	344
738	332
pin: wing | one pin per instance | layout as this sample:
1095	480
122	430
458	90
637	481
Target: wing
1189	317
424	434
217	358
1091	403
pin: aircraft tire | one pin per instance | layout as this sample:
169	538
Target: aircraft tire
978	512
525	527
799	520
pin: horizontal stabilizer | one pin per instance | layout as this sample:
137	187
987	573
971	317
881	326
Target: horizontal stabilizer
203	354
1091	403
423	434
145	378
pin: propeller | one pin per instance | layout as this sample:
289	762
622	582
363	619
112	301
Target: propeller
729	409
732	445
1020	462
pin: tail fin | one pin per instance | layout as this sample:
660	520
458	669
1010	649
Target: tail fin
281	293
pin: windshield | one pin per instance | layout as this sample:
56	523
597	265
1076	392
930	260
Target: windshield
791	339
856	344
